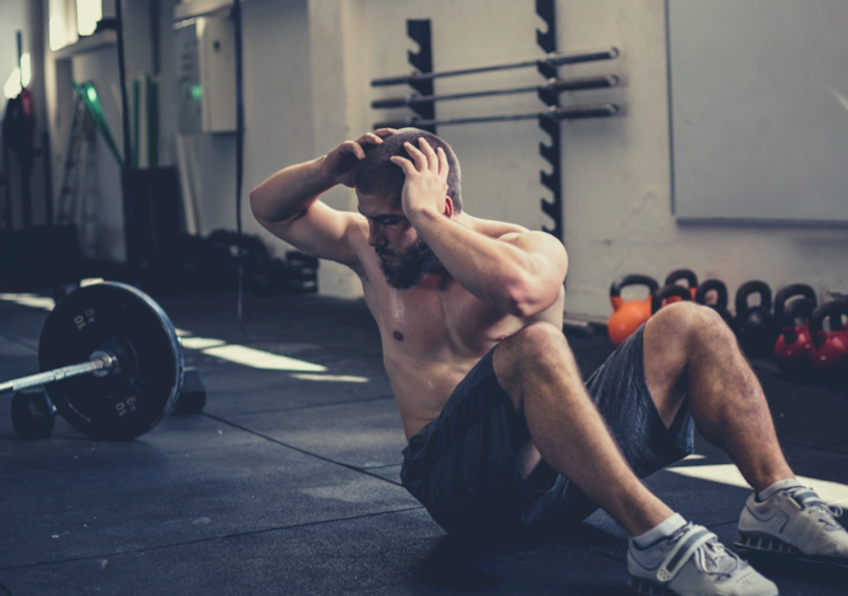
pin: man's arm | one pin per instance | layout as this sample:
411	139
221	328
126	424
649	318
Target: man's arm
521	273
288	205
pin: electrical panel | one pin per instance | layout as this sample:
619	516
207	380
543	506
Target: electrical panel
206	77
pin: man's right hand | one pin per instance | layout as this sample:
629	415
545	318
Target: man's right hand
340	164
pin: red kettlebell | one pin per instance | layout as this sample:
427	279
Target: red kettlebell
720	304
664	296
792	348
829	351
628	315
677	275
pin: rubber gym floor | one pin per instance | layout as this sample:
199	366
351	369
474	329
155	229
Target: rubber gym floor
288	485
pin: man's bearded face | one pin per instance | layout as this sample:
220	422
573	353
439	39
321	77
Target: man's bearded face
406	269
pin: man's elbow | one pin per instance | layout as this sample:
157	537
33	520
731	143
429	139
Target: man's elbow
256	202
524	300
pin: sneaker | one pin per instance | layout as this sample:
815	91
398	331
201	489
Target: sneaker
692	562
794	522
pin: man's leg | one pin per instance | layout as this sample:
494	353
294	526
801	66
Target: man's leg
691	353
537	369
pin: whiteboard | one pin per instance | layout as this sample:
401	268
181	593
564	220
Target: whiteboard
759	109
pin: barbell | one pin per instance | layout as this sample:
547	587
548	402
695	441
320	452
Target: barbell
110	361
551	60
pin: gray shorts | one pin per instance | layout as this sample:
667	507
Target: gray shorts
462	466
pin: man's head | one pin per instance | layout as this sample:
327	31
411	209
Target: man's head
404	257
376	175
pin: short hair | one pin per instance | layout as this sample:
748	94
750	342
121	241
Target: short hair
376	174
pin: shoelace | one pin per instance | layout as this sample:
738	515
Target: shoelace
831	511
715	559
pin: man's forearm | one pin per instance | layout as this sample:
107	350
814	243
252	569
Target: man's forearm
494	271
290	191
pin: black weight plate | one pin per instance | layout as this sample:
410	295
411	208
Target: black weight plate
127	323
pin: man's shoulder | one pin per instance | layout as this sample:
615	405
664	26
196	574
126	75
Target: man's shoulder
497	229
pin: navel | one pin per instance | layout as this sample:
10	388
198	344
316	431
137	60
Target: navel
398	335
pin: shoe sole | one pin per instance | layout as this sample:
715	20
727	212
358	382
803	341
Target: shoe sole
779	548
649	588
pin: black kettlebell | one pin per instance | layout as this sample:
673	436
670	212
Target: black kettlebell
754	325
720	305
671	291
685	274
784	294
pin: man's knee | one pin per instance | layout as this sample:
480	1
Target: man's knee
691	326
534	351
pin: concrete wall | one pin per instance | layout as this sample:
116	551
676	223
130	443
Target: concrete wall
307	69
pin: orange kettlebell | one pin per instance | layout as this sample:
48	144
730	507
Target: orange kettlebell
628	315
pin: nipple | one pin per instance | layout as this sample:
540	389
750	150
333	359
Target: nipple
398	335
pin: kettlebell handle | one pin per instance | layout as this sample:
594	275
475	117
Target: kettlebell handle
824	311
712	285
679	274
749	288
790	291
668	292
634	279
803	307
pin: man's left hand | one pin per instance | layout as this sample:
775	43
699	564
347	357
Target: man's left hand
426	183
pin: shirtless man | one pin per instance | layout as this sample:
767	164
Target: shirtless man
503	432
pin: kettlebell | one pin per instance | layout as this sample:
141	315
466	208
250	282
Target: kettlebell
792	348
628	315
829	351
790	291
754	325
663	297
677	275
720	305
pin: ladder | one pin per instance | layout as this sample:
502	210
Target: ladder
80	188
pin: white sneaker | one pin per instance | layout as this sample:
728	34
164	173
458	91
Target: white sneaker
692	562
795	522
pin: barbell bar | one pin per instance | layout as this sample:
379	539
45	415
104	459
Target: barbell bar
111	361
554	113
554	59
552	86
100	362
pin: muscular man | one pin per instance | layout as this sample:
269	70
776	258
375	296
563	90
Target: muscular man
503	433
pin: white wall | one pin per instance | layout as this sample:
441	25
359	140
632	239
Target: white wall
616	172
307	69
617	188
278	111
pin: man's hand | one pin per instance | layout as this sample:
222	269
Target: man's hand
340	164
426	178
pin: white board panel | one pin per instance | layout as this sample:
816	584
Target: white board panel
759	104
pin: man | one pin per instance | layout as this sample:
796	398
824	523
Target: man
503	433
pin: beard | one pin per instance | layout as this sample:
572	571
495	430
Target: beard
409	267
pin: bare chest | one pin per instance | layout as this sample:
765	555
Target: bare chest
438	320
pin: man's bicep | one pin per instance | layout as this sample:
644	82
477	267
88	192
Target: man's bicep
322	232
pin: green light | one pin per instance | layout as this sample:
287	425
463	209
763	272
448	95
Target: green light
92	94
196	91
